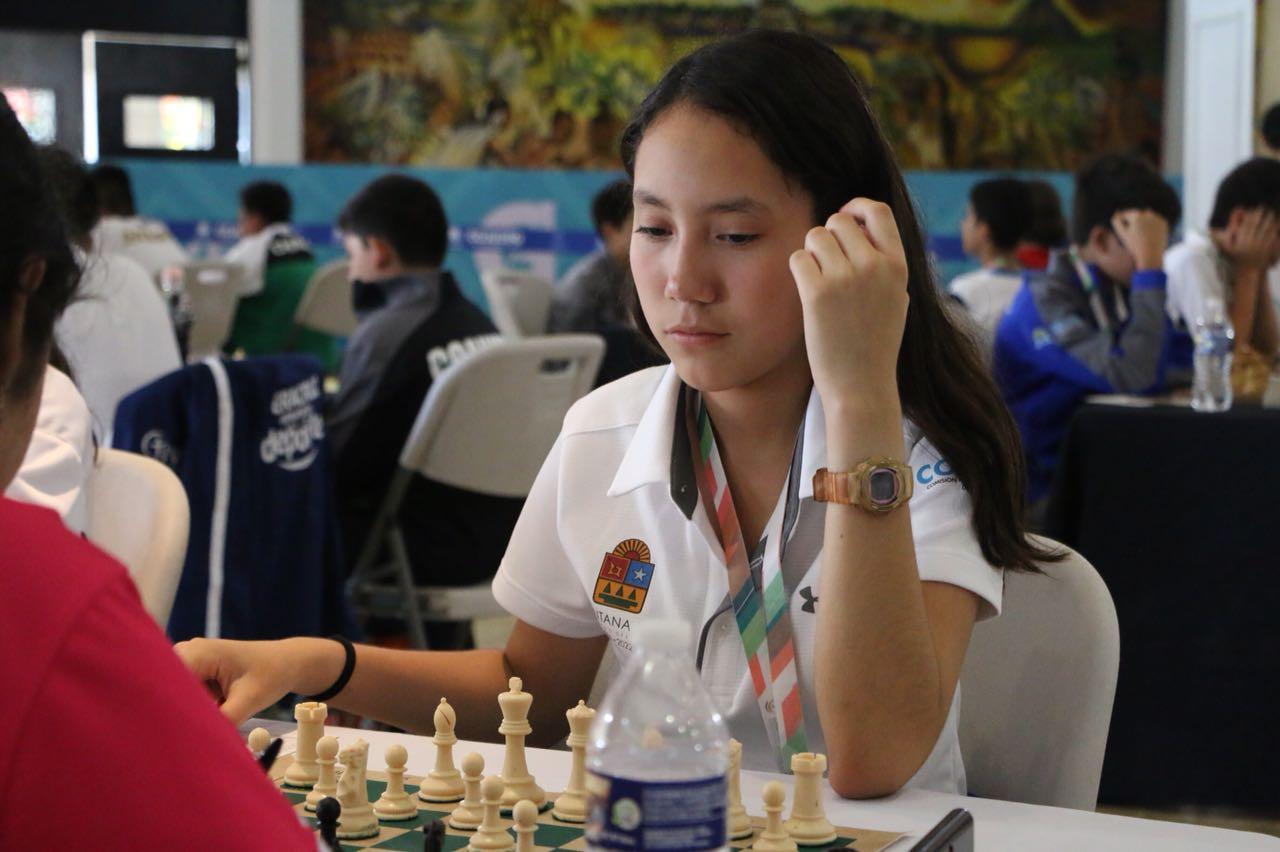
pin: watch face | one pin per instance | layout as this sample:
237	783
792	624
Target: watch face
883	486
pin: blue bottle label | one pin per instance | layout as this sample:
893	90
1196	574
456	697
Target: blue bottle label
660	815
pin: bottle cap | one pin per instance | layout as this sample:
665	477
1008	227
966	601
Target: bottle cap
663	634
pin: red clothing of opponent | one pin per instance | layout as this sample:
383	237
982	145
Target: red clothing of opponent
106	740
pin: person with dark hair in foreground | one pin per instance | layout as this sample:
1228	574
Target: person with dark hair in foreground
90	682
994	223
1230	264
120	230
780	264
266	234
1095	321
413	323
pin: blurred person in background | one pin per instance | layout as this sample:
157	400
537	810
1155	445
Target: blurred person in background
120	230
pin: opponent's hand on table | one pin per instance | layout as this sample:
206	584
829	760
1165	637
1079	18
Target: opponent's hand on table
852	279
245	677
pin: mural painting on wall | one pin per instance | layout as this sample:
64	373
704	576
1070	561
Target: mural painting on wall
961	84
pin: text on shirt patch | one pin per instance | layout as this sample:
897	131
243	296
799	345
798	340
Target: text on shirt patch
625	575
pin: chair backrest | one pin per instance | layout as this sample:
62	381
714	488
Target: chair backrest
326	304
520	303
138	513
210	290
490	420
1038	686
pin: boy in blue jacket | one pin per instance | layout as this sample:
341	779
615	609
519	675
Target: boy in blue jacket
1094	321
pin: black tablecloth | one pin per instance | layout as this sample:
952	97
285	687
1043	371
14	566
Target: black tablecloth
1179	513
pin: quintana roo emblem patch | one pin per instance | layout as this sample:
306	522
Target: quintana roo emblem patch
625	575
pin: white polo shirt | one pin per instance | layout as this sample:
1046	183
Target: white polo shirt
619	478
987	294
147	242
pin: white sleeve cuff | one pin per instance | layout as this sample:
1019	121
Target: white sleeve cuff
535	611
958	568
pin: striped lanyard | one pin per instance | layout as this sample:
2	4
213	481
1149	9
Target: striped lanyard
760	607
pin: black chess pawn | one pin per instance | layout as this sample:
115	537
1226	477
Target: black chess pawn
434	832
327	813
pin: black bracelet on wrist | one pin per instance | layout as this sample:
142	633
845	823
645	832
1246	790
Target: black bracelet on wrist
348	667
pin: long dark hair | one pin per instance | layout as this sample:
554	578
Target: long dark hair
809	114
31	226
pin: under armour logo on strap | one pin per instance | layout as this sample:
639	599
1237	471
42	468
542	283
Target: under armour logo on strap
810	602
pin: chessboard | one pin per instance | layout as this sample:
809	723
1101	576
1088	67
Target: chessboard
552	833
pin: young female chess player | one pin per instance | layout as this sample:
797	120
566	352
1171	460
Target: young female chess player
779	263
97	710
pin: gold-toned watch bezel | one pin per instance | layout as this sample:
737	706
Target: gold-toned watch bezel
853	488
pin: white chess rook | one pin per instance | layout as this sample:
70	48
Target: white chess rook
491	836
395	804
327	782
809	824
571	805
304	770
444	782
468	815
774	838
515	727
357	820
739	819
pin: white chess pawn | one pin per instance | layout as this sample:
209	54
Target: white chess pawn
327	782
395	804
468	815
491	836
774	838
809	824
739	819
519	783
304	770
571	805
356	820
444	782
259	739
525	814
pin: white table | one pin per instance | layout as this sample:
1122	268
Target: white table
998	825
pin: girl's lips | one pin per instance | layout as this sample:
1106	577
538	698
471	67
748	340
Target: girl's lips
695	337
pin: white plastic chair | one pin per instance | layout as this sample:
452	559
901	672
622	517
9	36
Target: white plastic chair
138	513
1038	686
463	437
326	303
519	303
210	289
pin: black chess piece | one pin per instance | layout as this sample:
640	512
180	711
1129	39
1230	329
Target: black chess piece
327	813
434	832
269	754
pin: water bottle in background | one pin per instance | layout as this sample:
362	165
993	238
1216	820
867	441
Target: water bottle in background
658	754
1214	340
201	247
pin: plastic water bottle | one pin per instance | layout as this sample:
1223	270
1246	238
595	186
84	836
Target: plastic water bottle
657	758
1214	339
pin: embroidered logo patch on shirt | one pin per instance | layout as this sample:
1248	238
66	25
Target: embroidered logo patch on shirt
625	575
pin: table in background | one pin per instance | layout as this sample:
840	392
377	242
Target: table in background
1179	511
998	825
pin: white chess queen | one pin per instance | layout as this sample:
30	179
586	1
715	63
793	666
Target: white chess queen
814	370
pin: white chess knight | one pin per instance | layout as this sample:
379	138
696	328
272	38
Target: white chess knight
809	824
571	805
444	782
357	820
304	771
515	726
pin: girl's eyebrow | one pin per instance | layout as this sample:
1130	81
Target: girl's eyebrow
740	204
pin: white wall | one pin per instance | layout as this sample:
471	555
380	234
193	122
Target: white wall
1219	115
275	68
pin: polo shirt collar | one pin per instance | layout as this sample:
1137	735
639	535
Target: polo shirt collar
660	452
